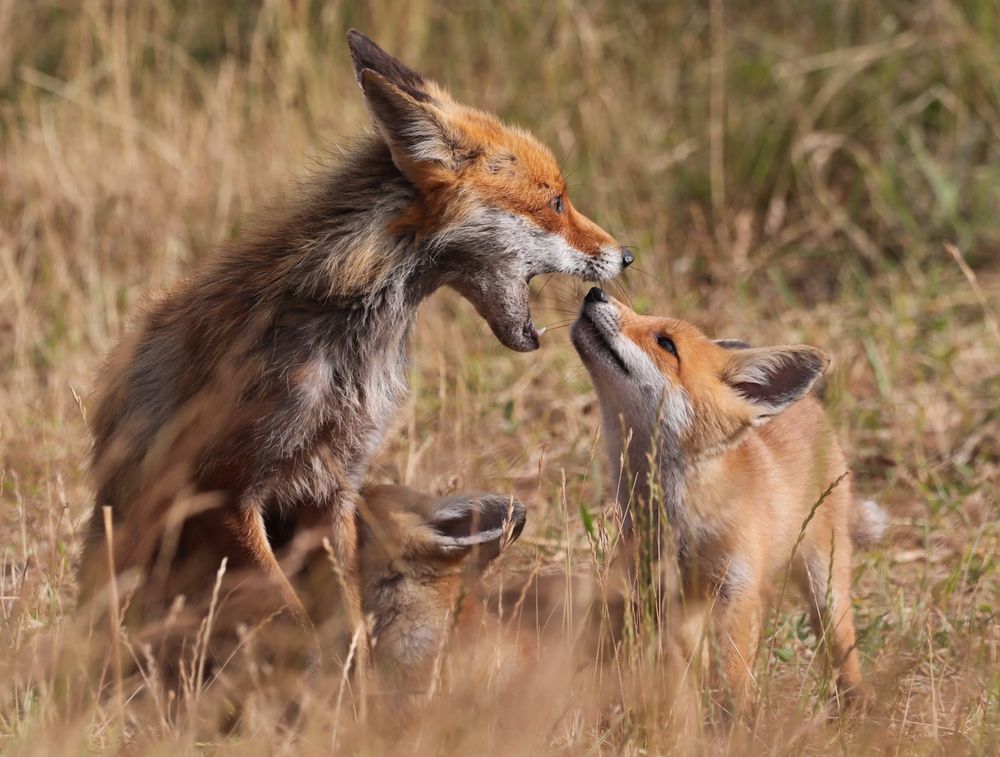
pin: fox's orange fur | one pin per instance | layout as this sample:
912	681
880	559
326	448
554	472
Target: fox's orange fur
724	440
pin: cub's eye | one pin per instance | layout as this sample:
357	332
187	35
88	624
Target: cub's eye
667	343
557	205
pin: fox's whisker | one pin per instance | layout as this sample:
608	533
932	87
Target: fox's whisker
548	280
620	288
560	324
647	273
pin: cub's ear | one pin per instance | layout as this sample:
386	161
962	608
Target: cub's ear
486	522
733	344
365	54
419	134
770	379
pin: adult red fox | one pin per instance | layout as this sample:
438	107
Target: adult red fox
266	380
723	441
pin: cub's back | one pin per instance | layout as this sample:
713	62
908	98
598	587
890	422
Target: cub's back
787	464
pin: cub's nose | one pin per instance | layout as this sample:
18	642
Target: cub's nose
596	294
627	257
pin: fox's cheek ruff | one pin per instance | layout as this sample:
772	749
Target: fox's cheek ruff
491	255
541	251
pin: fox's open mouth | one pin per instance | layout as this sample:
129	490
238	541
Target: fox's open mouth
501	296
599	339
528	331
503	304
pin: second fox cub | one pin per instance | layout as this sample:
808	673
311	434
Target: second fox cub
722	440
416	554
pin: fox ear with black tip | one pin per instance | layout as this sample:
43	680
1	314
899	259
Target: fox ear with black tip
411	113
481	525
419	134
366	55
769	379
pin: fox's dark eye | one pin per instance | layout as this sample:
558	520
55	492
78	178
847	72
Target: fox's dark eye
667	343
557	205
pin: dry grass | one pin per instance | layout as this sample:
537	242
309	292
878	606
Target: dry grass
785	174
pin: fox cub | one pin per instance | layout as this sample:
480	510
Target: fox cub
417	557
725	442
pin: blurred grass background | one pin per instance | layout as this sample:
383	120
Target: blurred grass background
823	172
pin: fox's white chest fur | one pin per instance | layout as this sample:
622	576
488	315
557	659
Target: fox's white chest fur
343	425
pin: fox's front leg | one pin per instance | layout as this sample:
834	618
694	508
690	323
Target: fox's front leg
327	576
344	548
737	638
255	591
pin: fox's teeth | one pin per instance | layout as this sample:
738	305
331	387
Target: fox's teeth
542	330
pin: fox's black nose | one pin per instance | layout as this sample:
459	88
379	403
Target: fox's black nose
596	294
627	257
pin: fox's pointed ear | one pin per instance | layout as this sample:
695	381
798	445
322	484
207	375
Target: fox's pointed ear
485	522
418	133
366	55
770	379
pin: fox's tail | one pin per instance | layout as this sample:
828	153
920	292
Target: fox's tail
869	523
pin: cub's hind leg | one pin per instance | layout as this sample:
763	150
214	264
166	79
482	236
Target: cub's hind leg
826	582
